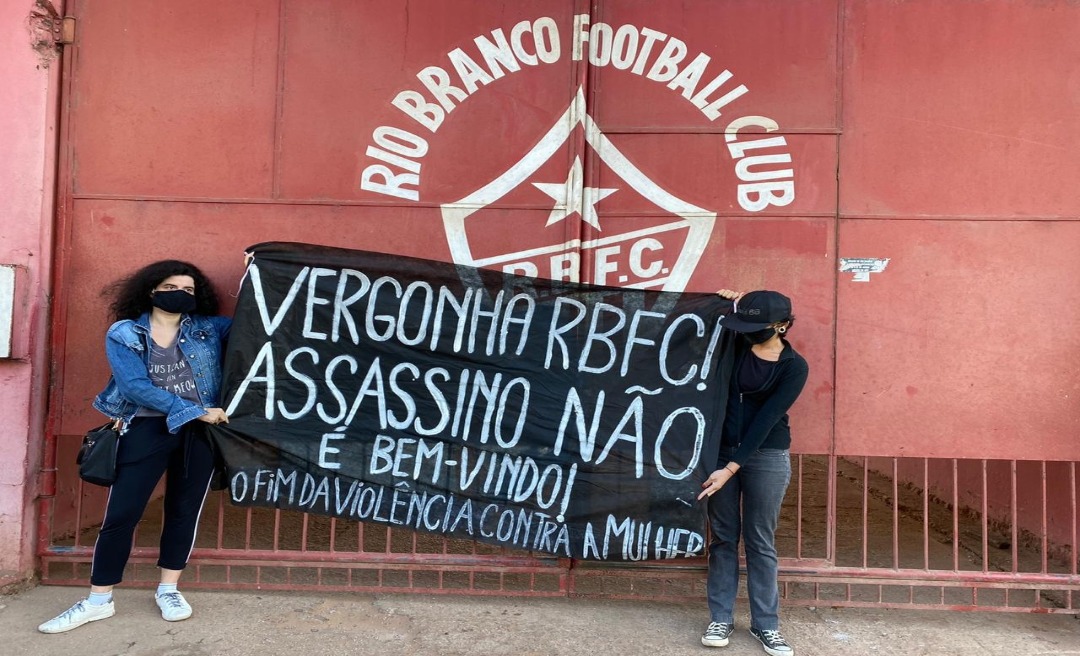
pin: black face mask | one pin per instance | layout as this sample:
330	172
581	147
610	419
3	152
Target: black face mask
760	336
176	301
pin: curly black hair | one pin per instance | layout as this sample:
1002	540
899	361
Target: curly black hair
131	295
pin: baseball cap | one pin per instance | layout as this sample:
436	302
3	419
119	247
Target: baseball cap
756	310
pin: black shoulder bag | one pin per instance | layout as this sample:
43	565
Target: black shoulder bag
97	457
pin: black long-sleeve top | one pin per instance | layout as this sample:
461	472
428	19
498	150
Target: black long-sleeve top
758	418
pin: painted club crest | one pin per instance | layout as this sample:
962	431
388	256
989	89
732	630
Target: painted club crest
595	230
629	259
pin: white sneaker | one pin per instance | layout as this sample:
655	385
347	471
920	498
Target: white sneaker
77	615
717	634
173	606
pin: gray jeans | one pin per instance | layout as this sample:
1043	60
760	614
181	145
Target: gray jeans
759	486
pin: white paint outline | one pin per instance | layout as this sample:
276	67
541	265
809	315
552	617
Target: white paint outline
700	222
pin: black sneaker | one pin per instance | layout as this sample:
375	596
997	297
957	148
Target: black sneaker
717	634
773	643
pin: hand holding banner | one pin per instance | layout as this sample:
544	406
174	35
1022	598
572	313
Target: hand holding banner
549	416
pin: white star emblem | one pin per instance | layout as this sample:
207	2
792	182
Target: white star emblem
574	199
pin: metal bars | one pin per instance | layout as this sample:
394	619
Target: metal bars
854	531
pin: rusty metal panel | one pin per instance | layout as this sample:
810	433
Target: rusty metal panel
962	346
174	99
960	109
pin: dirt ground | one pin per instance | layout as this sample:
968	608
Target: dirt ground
877	525
296	624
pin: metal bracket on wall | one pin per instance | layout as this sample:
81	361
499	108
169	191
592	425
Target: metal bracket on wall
49	32
65	31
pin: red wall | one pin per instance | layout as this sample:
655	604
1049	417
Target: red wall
955	163
933	138
28	117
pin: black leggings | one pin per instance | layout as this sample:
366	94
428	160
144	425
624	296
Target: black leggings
147	450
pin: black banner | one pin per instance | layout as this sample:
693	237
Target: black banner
554	417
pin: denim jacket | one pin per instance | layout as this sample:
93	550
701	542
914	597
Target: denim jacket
127	347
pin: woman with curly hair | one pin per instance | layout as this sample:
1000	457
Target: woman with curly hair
165	354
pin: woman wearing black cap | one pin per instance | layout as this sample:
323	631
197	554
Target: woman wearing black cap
746	491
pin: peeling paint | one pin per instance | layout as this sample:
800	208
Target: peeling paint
45	25
862	267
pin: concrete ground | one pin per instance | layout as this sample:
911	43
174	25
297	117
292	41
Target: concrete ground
327	624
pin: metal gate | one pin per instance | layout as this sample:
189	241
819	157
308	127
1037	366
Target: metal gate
796	146
853	532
